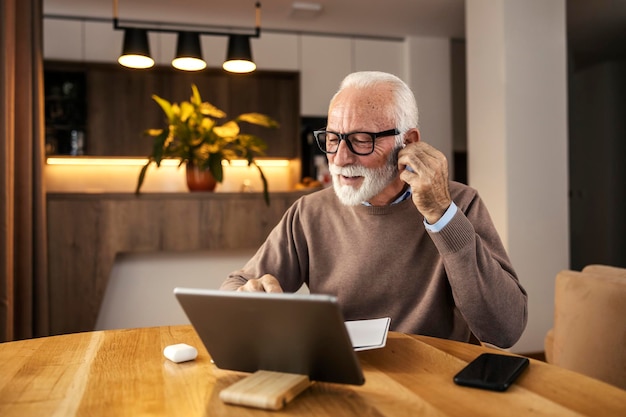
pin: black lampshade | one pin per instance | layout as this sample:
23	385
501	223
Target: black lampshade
188	52
136	50
239	56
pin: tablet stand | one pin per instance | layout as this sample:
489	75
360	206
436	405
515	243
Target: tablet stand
265	389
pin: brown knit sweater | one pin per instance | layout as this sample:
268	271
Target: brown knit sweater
381	261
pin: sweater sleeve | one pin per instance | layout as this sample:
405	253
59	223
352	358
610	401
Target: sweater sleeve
283	254
484	285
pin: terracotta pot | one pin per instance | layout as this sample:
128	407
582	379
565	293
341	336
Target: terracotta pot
199	179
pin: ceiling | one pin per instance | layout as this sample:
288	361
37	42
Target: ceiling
389	18
596	28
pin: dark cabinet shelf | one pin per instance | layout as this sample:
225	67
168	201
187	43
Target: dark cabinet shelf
113	105
65	112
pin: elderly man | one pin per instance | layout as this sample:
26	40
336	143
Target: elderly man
394	237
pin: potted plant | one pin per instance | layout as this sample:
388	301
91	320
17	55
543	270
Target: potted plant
194	136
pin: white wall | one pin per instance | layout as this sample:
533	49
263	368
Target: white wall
140	288
429	76
517	140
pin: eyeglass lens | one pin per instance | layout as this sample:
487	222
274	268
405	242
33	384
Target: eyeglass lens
359	143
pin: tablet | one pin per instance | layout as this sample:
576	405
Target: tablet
291	333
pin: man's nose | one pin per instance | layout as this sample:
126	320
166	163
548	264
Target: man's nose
344	155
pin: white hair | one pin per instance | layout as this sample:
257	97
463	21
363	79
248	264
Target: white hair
405	112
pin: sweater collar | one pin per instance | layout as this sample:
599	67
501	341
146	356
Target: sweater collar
403	196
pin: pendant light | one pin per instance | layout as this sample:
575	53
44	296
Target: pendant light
239	55
188	52
136	50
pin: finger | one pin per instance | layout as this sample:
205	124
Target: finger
270	283
434	157
423	149
404	161
423	159
408	176
412	155
253	285
417	164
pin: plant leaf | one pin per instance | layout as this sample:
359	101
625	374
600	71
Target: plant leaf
215	165
166	106
208	109
266	194
195	95
186	110
158	147
258	119
227	130
207	123
142	175
252	143
229	154
153	132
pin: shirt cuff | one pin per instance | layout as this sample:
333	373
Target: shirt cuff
443	221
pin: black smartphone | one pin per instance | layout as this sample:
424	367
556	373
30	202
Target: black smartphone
492	371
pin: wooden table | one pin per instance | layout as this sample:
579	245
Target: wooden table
123	373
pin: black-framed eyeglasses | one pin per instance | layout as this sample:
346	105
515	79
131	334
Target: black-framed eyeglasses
360	143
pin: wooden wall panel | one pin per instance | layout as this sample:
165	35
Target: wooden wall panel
87	231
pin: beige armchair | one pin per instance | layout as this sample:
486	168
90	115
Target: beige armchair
589	333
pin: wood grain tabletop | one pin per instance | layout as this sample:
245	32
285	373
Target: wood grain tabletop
124	373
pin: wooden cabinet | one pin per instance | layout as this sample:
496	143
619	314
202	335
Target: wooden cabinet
87	231
119	106
273	94
65	112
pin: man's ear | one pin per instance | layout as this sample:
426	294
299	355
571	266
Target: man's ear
411	136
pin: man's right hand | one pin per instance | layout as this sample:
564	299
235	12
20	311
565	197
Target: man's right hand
267	283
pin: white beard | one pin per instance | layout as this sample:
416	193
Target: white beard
375	180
